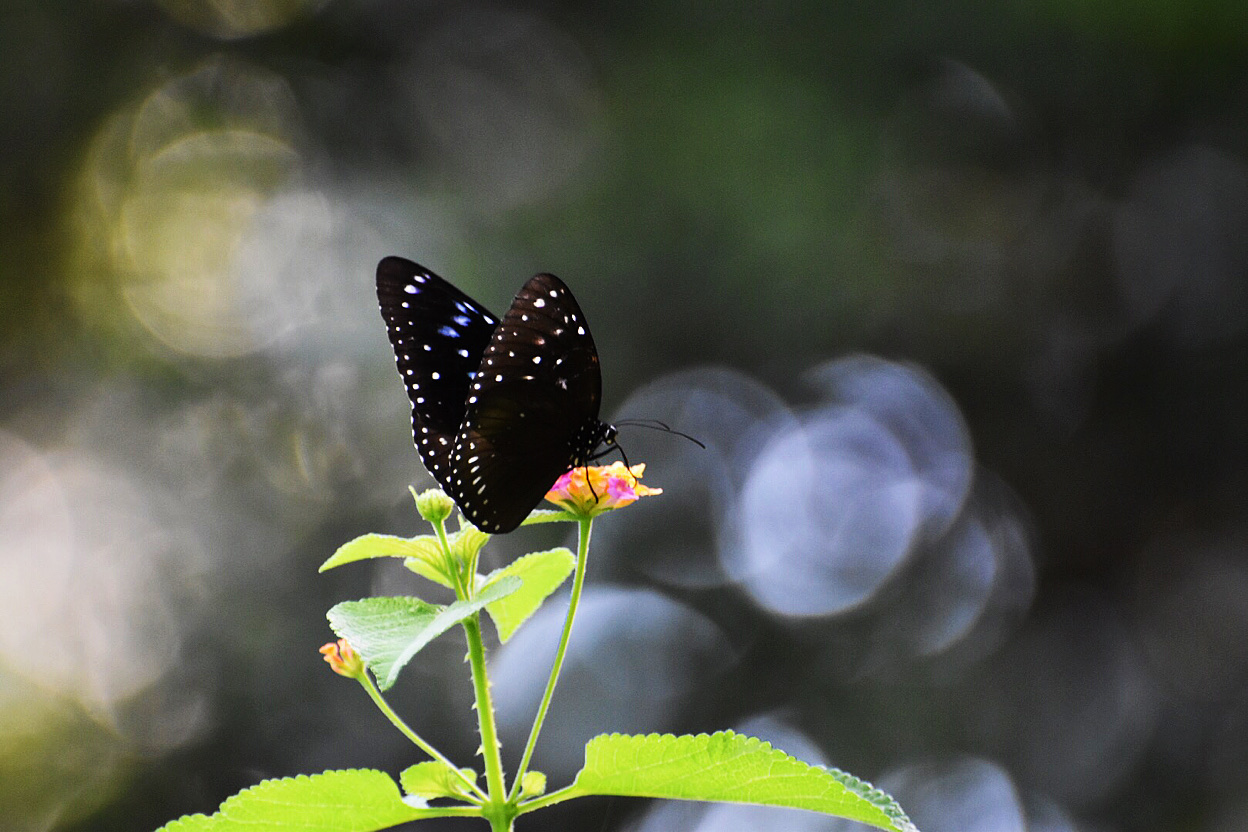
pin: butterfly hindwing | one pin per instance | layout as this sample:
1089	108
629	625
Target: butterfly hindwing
532	410
438	334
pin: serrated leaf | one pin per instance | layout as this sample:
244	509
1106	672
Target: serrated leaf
545	515
732	768
533	784
389	631
423	554
466	542
434	779
542	573
426	568
336	801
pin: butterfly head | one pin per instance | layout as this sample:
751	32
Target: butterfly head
609	432
595	435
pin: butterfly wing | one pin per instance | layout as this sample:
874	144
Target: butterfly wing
532	410
439	335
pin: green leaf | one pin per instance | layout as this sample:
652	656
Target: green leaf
533	784
466	542
542	573
731	768
424	554
544	515
336	801
428	568
388	632
433	779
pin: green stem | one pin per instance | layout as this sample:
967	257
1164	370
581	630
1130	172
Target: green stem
424	746
557	796
578	582
452	567
494	781
447	812
495	784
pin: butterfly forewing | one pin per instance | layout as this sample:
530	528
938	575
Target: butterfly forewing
532	410
438	334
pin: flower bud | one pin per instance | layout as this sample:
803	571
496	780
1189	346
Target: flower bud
343	659
434	505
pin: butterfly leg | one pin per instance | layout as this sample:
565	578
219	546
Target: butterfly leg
590	483
599	455
612	447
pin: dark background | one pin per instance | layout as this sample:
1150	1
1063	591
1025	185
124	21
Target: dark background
955	293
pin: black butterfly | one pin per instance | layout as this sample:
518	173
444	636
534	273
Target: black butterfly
500	409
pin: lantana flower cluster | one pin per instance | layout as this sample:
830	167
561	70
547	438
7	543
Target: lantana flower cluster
590	491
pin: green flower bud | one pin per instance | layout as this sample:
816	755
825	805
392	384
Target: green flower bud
434	505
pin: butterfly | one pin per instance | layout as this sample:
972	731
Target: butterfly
500	408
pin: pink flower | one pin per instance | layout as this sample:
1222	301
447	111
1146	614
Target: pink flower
592	490
343	659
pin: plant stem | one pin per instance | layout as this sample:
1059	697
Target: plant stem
578	582
549	799
452	567
424	746
495	784
494	781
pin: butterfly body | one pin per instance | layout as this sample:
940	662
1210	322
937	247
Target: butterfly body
500	408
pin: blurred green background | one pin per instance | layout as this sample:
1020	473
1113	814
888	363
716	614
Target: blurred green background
955	293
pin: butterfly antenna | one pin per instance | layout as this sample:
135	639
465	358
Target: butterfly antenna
655	424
